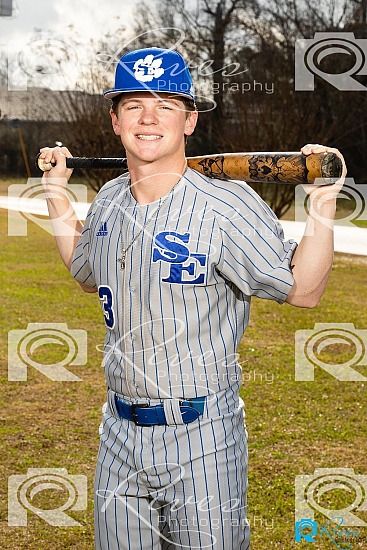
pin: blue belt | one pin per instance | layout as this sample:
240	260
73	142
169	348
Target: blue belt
152	415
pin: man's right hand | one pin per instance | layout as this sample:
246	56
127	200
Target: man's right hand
59	174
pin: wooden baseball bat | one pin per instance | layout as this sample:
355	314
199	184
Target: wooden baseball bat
288	167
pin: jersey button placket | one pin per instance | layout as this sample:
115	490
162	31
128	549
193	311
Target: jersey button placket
135	298
125	308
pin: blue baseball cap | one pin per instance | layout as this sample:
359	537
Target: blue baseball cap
152	70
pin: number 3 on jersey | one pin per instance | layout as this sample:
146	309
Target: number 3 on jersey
106	297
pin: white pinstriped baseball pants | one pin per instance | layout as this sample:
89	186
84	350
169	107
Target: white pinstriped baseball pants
173	487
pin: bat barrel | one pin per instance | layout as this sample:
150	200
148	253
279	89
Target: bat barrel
271	167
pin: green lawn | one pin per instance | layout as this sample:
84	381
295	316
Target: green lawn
294	427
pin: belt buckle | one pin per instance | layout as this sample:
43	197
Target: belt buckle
134	406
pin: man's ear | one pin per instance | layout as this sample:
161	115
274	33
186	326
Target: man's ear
190	123
115	122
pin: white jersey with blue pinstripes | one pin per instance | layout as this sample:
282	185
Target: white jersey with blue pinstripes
177	312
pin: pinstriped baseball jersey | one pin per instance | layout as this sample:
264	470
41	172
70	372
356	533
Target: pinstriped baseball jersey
177	311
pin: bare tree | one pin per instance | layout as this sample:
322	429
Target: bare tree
326	116
87	129
205	27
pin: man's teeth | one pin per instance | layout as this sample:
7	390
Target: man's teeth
143	136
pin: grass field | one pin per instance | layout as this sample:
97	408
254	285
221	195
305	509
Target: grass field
294	427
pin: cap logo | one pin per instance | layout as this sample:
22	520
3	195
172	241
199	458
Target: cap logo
148	68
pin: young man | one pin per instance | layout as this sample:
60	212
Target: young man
175	258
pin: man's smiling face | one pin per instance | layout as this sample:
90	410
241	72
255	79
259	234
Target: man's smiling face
153	127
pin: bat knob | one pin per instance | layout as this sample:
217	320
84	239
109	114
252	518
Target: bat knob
331	167
42	165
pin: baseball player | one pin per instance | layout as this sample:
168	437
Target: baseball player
175	258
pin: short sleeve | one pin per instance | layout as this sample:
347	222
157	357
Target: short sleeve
254	255
80	268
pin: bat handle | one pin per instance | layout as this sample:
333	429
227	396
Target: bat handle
42	165
47	166
84	162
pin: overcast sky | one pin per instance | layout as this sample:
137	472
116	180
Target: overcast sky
65	24
90	18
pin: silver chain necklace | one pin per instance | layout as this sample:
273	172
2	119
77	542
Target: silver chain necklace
122	260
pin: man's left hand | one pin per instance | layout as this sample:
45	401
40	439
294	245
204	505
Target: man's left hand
325	192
